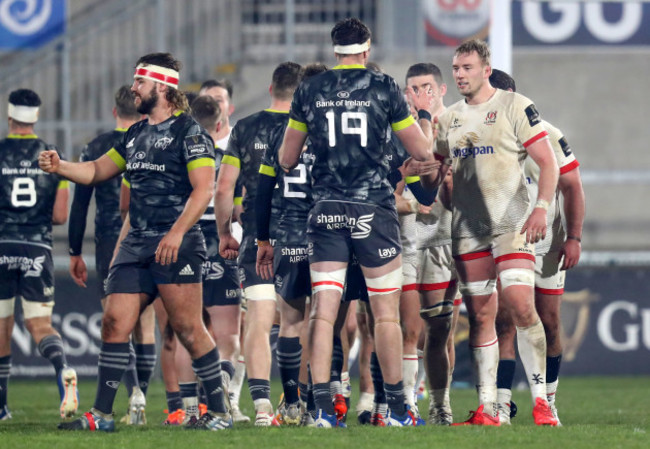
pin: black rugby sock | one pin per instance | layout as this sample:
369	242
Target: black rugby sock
506	373
113	359
5	368
145	363
130	377
208	370
51	347
289	353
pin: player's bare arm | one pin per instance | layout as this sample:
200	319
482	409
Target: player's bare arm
125	200
223	206
90	172
542	154
124	230
570	185
60	211
202	180
292	144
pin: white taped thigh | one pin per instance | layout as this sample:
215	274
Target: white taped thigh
477	288
327	280
386	284
7	307
260	292
32	309
517	276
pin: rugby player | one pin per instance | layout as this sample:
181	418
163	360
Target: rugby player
286	262
108	222
31	203
169	163
437	273
485	137
346	112
249	139
556	253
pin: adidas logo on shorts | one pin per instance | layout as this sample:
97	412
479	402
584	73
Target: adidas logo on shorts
186	271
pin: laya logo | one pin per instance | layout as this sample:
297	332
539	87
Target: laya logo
490	118
163	143
362	227
385	253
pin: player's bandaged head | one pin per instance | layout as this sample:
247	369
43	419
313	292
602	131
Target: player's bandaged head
159	67
350	37
23	106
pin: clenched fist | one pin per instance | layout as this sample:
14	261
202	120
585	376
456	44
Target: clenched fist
49	161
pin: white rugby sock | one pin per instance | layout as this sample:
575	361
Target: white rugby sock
409	376
422	372
551	389
439	397
365	402
237	380
531	342
504	396
485	360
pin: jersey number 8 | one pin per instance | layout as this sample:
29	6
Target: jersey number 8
23	192
346	126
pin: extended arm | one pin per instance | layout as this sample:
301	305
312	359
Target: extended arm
87	173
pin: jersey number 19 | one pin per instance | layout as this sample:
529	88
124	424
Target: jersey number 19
347	126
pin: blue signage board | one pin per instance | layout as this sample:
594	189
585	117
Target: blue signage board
29	24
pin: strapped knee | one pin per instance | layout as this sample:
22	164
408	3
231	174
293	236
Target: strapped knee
477	288
517	276
443	309
7	307
386	284
327	280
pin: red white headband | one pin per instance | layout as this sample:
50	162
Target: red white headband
157	73
24	114
352	49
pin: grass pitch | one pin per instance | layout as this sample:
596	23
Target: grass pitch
596	412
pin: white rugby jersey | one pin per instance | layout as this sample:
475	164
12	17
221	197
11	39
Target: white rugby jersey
485	145
407	229
434	228
555	234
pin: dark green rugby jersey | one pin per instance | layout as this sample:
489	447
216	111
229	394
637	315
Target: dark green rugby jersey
292	198
347	112
249	139
157	160
28	193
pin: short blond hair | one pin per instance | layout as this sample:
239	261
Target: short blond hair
475	45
